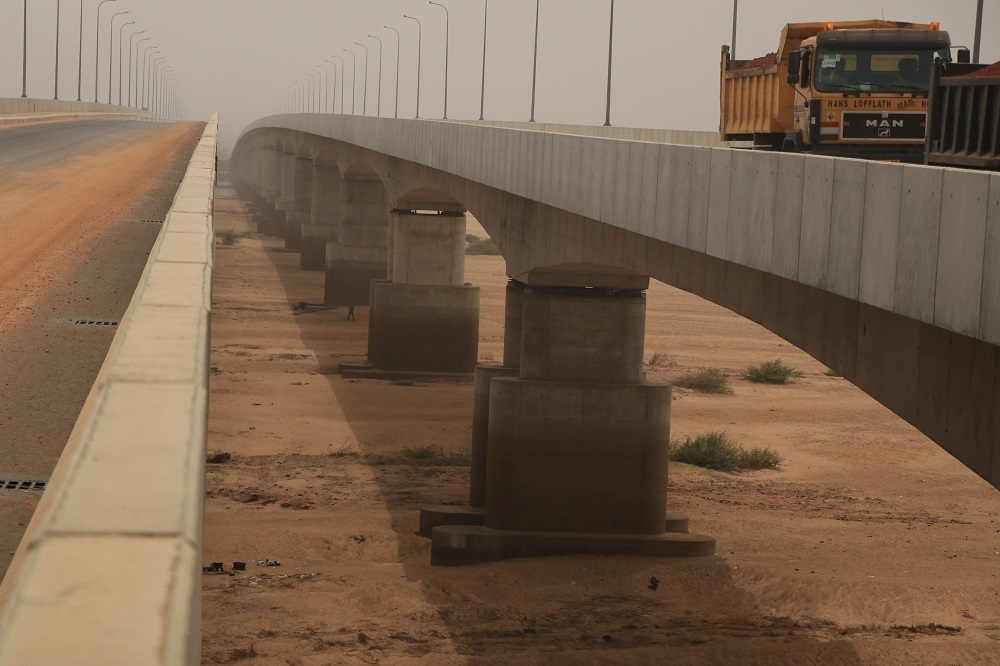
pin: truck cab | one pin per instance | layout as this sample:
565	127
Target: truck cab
864	90
855	88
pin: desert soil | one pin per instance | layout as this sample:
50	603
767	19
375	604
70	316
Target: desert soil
71	246
869	545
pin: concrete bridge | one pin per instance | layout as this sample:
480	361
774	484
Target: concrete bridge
889	274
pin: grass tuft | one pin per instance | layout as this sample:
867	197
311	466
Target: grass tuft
230	237
436	455
771	372
710	380
472	238
658	360
715	451
483	247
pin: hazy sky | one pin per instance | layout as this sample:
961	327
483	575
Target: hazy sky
239	56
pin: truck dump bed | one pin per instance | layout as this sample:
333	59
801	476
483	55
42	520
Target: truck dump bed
964	117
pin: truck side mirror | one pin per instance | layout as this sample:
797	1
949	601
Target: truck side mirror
963	56
794	65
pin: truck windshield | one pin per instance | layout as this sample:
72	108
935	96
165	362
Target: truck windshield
858	70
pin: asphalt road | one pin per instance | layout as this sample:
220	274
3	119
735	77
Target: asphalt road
98	183
26	147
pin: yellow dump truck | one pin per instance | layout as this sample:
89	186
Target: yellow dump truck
856	88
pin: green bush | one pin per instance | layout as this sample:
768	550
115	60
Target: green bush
435	455
484	246
710	380
472	238
715	451
770	372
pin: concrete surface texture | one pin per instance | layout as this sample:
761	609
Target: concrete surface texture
31	110
101	515
836	255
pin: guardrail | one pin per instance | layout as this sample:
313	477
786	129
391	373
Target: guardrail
109	570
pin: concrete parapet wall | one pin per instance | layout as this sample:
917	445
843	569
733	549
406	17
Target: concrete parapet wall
109	570
26	110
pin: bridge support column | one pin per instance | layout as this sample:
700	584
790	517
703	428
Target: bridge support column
578	442
269	192
324	217
283	199
360	254
426	319
300	208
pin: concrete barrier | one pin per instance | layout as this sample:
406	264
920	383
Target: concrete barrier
109	570
32	110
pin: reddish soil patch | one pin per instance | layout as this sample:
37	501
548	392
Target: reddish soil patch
989	71
869	545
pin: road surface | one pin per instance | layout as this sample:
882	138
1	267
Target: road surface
72	246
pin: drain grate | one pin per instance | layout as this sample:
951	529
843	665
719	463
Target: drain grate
94	322
14	484
145	221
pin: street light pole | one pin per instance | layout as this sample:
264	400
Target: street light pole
534	70
325	86
354	80
611	49
732	47
343	75
447	35
147	95
979	32
482	94
79	61
58	12
121	40
139	103
111	49
364	98
24	56
97	49
379	113
399	41
137	44
419	49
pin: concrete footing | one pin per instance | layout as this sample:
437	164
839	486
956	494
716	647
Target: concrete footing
451	514
294	220
314	239
349	272
424	327
463	544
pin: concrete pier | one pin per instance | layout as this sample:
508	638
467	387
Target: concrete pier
426	318
324	217
361	253
577	443
300	210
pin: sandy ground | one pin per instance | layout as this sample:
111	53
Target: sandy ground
71	245
869	545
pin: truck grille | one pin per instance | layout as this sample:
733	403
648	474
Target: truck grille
885	126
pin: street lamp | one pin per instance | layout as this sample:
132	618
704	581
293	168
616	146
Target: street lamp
732	47
58	11
139	97
314	83
364	97
121	43
611	48
343	75
447	31
79	61
534	70
482	94
24	56
111	49
419	41
379	113
398	42
325	86
137	44
97	50
979	32
147	101
354	80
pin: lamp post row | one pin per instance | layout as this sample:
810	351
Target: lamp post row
139	98
482	97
